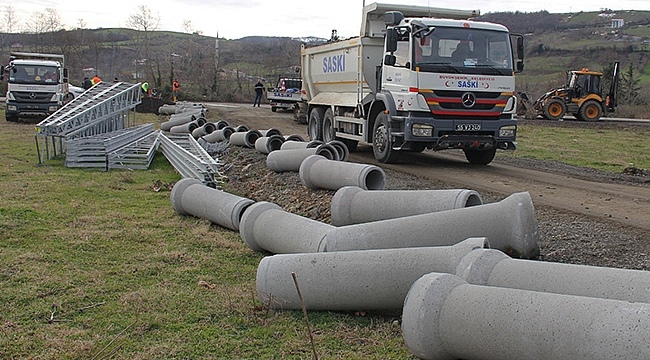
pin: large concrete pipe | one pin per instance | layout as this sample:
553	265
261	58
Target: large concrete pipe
509	224
206	129
186	128
353	280
267	227
317	172
445	318
219	135
221	124
266	144
179	120
341	148
494	268
270	132
167	109
293	137
290	159
295	144
246	139
354	205
241	128
191	197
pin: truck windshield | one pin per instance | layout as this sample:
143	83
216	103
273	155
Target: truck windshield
463	50
33	74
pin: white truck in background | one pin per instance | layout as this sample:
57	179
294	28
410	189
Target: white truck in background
404	86
37	84
285	95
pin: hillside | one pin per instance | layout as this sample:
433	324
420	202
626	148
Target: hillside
555	43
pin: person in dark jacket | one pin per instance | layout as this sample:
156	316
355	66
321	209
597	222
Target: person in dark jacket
86	84
259	90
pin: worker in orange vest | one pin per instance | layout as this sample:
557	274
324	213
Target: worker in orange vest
175	86
96	80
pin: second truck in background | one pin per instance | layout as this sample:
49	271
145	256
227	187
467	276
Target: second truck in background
417	77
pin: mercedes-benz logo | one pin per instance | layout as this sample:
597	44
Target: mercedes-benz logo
468	99
32	96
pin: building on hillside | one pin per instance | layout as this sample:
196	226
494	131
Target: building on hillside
617	23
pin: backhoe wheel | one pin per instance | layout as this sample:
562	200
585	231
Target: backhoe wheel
554	109
479	157
382	145
315	124
590	111
329	133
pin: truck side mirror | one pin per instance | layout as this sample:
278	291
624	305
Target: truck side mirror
389	60
65	73
2	72
392	18
520	66
391	40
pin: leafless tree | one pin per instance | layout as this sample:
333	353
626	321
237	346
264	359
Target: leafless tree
10	20
48	20
145	22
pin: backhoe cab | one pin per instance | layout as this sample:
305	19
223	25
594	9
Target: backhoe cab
582	97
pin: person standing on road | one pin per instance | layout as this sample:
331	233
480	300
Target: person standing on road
259	90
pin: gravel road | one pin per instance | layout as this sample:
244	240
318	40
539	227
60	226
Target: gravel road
584	216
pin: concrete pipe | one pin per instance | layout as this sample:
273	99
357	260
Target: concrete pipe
353	205
219	135
266	144
270	132
341	148
167	125
293	137
267	227
246	139
241	128
509	224
290	159
186	128
191	197
318	172
206	129
353	280
494	268
167	109
201	120
221	124
445	318
291	144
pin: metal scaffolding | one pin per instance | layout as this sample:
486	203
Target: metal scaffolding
103	108
190	159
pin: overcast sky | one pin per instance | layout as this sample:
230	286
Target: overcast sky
233	19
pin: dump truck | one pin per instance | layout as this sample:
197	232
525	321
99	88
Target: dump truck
416	78
582	96
37	84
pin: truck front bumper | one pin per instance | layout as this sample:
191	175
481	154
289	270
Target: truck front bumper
31	109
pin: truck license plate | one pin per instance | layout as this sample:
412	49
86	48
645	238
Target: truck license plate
468	127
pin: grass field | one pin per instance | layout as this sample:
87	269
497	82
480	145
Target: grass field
97	265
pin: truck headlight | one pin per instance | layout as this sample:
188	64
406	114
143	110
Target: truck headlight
52	108
10	96
55	98
12	108
508	131
421	130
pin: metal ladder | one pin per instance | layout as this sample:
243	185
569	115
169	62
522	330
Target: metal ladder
103	108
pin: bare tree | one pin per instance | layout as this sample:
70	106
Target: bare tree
81	23
48	20
145	22
10	20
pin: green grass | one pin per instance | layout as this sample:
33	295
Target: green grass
603	149
122	271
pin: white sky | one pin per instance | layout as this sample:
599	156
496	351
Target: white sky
233	19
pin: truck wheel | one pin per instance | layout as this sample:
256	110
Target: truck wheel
382	146
328	126
274	109
315	124
554	109
11	117
479	157
590	111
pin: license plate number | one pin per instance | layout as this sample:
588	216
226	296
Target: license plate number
468	127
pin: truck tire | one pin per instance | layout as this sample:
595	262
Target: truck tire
315	124
590	111
329	133
554	109
479	157
274	109
382	145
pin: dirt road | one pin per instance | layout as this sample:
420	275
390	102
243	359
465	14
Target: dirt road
601	208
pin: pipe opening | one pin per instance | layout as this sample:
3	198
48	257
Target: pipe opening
375	180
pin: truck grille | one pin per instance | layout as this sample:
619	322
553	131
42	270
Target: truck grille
26	96
445	104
